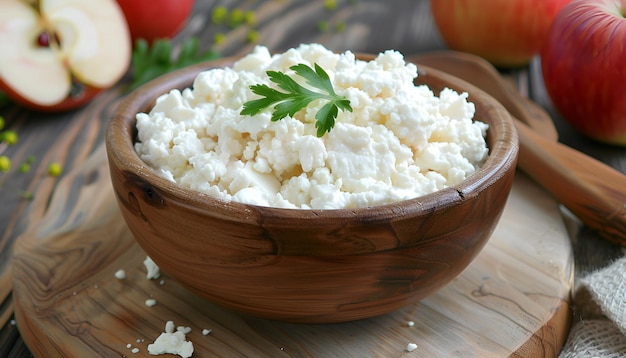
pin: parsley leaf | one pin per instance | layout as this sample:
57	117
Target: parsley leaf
298	97
149	62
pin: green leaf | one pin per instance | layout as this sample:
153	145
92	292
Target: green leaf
343	104
285	82
188	50
298	97
255	106
325	118
290	107
152	61
318	78
161	50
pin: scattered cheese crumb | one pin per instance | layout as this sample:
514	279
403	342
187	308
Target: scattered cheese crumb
152	270
13	322
162	282
120	274
206	332
173	342
129	345
169	326
135	350
410	323
151	302
411	347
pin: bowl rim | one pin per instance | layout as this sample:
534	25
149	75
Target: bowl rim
120	133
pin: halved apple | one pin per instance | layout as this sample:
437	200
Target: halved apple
58	54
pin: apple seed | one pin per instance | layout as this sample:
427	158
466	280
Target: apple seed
43	40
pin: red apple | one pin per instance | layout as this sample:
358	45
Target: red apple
508	33
584	68
155	19
58	54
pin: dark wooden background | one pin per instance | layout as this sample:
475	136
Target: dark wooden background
360	26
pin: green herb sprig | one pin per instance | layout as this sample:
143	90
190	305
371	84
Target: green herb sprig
298	97
152	61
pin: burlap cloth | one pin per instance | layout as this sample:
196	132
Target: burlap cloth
599	298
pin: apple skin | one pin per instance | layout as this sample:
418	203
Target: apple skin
155	19
507	33
584	68
72	101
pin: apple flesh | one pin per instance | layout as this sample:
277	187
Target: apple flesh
508	33
156	19
58	54
584	68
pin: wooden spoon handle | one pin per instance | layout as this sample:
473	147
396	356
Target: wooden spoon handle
590	189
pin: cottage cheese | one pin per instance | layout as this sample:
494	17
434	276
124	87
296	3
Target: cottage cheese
120	274
400	142
152	270
172	341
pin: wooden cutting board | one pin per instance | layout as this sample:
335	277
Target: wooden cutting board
513	300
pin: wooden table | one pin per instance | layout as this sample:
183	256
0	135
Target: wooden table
370	26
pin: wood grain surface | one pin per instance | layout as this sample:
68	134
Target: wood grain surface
512	300
370	26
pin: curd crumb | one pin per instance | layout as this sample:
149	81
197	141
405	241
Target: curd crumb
152	270
411	347
120	274
171	341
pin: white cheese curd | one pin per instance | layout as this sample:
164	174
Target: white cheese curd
172	341
401	141
152	270
120	274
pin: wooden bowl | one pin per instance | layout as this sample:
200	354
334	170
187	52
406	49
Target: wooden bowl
310	266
